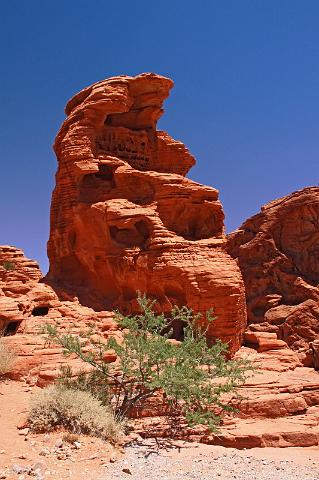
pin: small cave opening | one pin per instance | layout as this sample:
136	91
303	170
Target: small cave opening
259	311
10	329
174	329
40	311
105	173
292	300
192	221
177	330
135	119
137	189
136	236
199	228
96	187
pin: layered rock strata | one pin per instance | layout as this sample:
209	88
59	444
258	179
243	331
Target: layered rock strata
26	305
18	275
124	218
280	401
279	407
278	254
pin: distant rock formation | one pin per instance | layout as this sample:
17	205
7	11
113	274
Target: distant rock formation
278	253
124	218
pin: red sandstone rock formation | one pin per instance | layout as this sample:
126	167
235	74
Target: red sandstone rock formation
124	218
26	304
17	276
278	253
280	405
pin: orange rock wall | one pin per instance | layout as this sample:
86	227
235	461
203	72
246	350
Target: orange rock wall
278	253
124	218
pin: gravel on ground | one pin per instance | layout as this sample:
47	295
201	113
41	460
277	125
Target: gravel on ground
181	461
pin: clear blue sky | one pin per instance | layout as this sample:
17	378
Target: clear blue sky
245	100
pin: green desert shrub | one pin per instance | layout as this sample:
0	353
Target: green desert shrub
77	411
8	265
194	379
7	358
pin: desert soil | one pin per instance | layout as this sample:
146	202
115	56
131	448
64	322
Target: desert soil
204	462
24	455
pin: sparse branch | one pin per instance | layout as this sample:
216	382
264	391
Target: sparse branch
192	377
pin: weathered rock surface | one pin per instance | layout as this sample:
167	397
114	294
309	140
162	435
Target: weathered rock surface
17	276
26	305
278	254
280	404
124	218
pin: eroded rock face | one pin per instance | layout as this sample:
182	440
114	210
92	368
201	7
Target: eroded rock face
124	218
17	275
278	253
27	304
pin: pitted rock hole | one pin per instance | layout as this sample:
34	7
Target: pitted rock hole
105	173
95	187
137	236
177	327
192	222
175	295
137	190
259	311
40	311
135	147
135	119
10	329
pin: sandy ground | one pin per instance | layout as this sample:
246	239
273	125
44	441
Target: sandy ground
46	456
204	462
